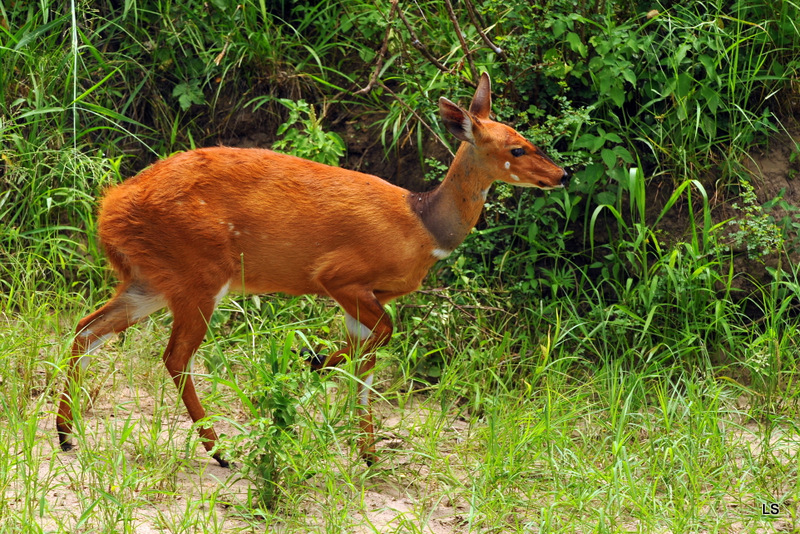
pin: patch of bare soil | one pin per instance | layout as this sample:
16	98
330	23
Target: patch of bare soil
365	151
389	502
69	479
211	492
775	172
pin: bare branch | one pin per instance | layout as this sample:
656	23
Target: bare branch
416	115
416	43
461	40
382	54
478	26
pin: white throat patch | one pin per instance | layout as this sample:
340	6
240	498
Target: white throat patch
440	253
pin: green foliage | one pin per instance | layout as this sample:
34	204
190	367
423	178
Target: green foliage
188	94
754	228
597	88
272	445
312	141
590	363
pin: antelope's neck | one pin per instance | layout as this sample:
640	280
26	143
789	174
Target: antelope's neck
451	210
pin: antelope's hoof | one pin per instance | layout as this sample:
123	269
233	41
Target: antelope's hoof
220	461
63	439
314	359
370	459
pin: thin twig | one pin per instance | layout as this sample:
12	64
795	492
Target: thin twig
478	26
382	54
416	43
437	290
421	321
461	40
462	308
444	293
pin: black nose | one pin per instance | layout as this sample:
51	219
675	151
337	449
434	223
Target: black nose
565	179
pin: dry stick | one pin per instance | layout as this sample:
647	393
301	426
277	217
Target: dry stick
478	26
421	322
416	43
382	54
461	40
444	293
462	308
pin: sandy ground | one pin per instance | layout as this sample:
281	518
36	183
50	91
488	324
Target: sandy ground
208	493
214	491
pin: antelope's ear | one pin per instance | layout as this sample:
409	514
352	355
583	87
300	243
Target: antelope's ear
458	121
482	101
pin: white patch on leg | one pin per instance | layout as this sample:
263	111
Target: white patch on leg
356	329
141	304
364	400
93	346
97	343
222	292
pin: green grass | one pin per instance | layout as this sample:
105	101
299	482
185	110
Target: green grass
521	430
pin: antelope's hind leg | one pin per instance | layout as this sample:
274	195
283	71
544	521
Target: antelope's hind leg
133	302
190	323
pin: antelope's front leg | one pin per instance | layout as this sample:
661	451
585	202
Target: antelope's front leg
368	328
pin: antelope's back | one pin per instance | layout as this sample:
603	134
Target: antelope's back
277	221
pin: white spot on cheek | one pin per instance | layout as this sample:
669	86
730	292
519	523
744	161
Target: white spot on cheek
507	165
440	253
365	389
515	177
484	194
355	328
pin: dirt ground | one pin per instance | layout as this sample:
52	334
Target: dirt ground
216	491
383	503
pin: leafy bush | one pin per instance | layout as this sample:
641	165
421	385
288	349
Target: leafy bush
273	446
312	141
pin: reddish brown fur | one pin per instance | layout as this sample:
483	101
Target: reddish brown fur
263	222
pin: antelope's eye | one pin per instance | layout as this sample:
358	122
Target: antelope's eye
517	152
